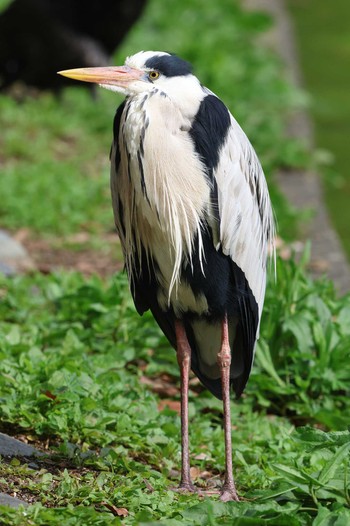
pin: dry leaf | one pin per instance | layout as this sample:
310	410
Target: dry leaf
174	405
49	394
79	237
22	235
120	512
195	473
202	456
148	486
206	475
160	386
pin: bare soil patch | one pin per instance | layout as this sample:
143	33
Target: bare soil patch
73	253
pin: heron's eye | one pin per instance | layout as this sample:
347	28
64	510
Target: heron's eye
153	75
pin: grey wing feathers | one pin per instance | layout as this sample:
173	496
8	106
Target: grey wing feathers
246	217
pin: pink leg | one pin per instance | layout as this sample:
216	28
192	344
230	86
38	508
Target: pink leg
183	351
228	491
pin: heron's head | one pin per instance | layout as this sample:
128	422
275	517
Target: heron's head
142	73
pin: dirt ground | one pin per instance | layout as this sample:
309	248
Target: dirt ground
73	253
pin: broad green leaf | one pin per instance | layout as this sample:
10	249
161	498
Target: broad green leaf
329	469
272	494
317	437
343	319
324	314
326	517
265	360
299	326
14	336
292	474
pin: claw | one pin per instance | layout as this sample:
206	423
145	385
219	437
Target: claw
228	493
185	488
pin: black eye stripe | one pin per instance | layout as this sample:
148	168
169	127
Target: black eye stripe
169	65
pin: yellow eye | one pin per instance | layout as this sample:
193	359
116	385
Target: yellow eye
153	75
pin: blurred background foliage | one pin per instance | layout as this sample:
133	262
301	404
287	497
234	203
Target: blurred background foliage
323	37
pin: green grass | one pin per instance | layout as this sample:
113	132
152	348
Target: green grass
73	354
55	163
323	39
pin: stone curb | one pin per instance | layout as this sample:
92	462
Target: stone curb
303	189
11	447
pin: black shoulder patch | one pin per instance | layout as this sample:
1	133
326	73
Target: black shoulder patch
209	130
169	65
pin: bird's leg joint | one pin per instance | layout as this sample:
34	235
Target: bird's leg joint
183	356
224	357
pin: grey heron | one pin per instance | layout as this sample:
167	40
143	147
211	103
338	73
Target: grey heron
194	217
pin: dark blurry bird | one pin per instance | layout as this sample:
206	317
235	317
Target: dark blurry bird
38	37
194	217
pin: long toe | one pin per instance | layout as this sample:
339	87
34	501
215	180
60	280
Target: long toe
228	493
186	488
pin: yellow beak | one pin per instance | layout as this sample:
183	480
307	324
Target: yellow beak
119	76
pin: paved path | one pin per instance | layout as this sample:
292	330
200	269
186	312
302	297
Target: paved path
303	189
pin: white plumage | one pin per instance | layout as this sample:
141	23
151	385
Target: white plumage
161	212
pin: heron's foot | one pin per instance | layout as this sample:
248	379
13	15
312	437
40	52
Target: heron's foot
228	493
185	487
208	492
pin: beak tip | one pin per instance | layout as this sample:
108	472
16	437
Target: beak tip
75	74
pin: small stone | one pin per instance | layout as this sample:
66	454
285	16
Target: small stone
12	502
13	256
33	465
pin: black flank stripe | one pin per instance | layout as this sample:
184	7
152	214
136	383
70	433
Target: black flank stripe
129	164
142	137
142	174
116	126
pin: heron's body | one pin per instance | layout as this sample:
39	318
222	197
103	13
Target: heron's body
194	217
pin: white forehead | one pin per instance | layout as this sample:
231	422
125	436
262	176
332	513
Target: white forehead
138	60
